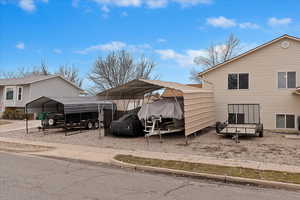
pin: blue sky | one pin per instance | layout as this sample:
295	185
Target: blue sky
172	32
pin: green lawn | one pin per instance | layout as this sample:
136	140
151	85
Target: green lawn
214	169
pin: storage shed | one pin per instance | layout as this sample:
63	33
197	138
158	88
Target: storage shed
199	108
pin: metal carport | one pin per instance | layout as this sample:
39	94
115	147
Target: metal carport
67	105
199	107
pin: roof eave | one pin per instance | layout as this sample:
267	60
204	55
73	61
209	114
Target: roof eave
200	74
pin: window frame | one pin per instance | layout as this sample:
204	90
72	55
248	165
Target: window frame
285	122
18	93
286	80
13	93
238	80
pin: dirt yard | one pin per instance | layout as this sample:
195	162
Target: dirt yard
273	147
3	122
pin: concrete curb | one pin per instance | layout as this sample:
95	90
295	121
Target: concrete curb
221	178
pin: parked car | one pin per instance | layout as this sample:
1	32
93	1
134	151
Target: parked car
128	125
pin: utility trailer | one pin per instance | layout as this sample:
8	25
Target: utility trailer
71	113
243	120
87	120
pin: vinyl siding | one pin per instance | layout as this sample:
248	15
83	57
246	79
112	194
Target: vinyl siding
262	66
52	87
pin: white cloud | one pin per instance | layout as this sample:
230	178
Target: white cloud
105	9
138	48
183	59
221	21
273	21
120	3
156	3
20	45
114	46
149	3
57	51
29	5
192	2
161	40
248	25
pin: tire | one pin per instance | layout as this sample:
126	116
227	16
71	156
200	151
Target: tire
89	125
96	124
219	126
51	122
261	130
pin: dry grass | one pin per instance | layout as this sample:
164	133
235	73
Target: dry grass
269	175
18	147
2	122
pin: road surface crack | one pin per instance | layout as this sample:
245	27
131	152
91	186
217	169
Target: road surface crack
177	188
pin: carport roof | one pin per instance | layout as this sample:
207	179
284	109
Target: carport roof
67	100
139	87
71	104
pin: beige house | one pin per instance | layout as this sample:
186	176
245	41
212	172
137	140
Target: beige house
267	76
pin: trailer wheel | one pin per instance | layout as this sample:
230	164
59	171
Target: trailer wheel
89	125
51	122
220	126
96	125
260	130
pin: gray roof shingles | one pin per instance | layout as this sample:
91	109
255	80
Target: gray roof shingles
25	80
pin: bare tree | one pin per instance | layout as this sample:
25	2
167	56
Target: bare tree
216	54
70	73
41	69
118	68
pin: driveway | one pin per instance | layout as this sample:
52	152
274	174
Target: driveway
16	125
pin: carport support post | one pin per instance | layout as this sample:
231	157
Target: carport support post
186	140
26	119
100	111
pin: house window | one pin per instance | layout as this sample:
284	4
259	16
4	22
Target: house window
20	91
238	81
286	80
285	121
9	94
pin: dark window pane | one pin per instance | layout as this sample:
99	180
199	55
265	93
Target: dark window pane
280	121
232	81
291	77
231	118
240	118
243	81
9	94
20	94
281	80
290	121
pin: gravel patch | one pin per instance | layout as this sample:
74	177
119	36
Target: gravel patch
272	148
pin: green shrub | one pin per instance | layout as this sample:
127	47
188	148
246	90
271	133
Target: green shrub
15	114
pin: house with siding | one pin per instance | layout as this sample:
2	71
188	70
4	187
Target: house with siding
16	92
265	78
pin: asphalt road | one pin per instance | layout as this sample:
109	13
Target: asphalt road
33	178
